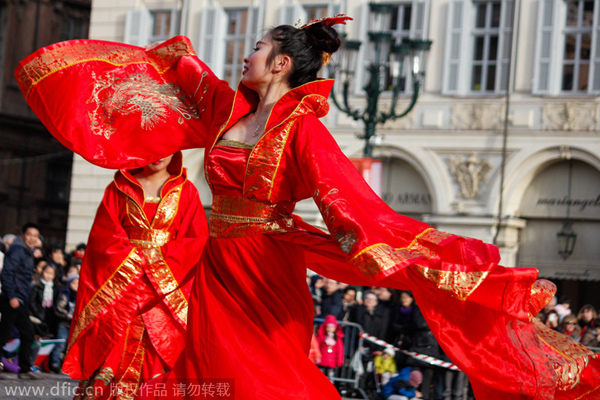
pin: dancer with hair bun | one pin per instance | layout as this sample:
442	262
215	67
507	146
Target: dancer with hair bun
251	312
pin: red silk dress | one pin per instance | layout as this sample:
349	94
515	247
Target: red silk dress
250	314
129	324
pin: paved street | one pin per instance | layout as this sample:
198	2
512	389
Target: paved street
52	387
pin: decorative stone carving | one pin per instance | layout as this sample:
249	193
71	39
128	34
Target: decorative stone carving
469	173
477	117
570	116
405	123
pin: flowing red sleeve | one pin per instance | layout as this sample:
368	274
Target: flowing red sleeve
122	106
480	312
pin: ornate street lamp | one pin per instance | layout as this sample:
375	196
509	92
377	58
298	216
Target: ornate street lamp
386	60
566	236
566	240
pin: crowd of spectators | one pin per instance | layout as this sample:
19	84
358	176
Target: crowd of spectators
394	317
37	298
583	326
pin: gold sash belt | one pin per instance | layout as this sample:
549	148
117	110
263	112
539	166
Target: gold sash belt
239	216
148	237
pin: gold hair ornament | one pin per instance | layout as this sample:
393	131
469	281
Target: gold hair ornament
329	21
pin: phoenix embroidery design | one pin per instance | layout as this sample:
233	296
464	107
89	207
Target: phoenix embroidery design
115	96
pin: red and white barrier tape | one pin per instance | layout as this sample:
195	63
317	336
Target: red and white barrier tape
422	357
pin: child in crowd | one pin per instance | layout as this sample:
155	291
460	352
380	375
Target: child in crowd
44	295
65	307
570	328
385	364
404	385
330	338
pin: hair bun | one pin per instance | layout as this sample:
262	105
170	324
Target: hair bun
323	38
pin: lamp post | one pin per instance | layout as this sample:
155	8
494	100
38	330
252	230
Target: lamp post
386	66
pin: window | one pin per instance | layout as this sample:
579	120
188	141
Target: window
407	21
477	48
143	26
400	28
226	37
316	12
163	23
291	14
236	45
567	51
58	179
485	48
73	28
578	45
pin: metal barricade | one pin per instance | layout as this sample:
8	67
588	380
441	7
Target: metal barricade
348	375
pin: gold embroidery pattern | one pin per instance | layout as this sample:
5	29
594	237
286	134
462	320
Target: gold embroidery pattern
381	257
86	389
542	291
167	210
267	154
345	239
105	375
325	208
460	284
264	161
108	293
57	58
234	144
569	358
133	358
239	216
149	237
162	275
136	93
144	238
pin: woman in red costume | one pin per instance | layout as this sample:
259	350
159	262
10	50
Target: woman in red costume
250	315
129	323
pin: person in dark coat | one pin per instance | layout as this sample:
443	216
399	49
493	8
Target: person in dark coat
16	278
423	342
332	299
374	320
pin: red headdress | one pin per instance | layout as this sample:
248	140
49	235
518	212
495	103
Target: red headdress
329	21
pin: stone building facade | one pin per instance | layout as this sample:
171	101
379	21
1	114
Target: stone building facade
35	170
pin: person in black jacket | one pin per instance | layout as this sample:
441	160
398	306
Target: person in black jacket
332	299
374	320
16	278
423	342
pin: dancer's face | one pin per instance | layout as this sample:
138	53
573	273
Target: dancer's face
257	69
